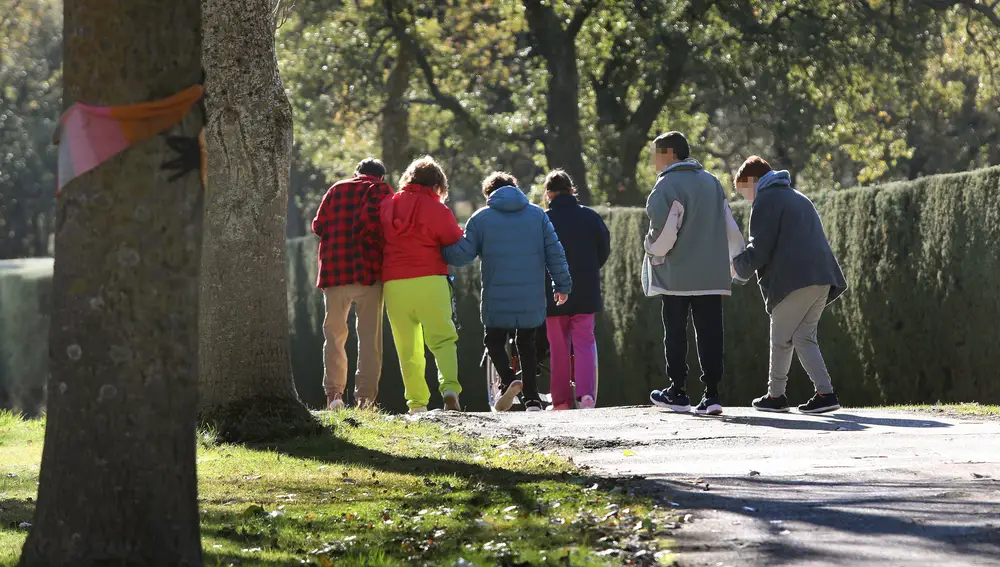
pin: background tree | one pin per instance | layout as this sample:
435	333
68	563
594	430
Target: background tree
246	374
30	93
117	484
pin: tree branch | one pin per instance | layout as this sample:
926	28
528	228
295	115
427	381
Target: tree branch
580	15
408	41
988	11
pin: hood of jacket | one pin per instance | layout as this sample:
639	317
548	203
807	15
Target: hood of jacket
686	165
397	220
775	179
507	199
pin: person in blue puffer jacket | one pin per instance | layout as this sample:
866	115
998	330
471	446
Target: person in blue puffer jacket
518	246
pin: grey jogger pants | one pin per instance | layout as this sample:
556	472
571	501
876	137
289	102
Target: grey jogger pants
794	324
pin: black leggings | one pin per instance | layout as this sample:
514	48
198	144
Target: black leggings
524	343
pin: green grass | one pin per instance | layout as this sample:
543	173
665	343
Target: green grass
972	408
384	490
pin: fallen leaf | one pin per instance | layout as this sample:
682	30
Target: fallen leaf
754	473
629	453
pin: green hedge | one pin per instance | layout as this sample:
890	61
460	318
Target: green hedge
918	324
25	297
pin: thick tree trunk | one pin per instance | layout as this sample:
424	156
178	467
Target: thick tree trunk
246	374
117	484
557	44
396	117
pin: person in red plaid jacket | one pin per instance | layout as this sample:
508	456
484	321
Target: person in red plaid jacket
350	272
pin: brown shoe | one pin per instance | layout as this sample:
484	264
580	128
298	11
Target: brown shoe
451	402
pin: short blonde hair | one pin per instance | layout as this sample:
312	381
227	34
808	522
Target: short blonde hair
425	171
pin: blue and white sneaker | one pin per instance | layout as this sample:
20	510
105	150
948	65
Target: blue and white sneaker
709	406
671	399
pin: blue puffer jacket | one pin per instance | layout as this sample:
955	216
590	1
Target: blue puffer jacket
517	244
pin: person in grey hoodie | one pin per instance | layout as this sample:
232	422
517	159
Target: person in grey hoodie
798	277
691	241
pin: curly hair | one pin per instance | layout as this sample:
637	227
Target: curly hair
496	180
425	171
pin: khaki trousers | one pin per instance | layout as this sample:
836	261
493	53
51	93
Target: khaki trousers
369	309
794	324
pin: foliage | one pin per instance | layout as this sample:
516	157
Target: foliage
30	95
841	93
384	490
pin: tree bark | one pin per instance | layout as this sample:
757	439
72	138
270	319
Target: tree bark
248	393
557	44
117	483
396	117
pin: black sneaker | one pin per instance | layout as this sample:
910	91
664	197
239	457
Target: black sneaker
671	399
767	403
533	404
821	403
709	406
508	392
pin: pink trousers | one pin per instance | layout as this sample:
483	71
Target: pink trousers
576	332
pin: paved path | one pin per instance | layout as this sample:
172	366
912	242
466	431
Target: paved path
856	487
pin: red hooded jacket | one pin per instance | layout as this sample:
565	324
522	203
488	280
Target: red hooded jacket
416	224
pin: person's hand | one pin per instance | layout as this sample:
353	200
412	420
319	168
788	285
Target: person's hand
560	298
732	270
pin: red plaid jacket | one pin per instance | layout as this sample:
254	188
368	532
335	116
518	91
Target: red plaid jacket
350	232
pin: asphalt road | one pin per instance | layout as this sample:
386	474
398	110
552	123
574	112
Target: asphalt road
851	488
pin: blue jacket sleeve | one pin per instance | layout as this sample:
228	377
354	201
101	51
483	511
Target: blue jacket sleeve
765	223
555	259
465	250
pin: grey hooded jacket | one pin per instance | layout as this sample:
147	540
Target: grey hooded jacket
788	247
692	235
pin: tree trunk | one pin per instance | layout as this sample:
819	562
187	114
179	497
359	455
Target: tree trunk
557	44
396	117
246	374
117	483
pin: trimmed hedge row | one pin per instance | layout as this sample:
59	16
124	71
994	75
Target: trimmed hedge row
917	325
25	298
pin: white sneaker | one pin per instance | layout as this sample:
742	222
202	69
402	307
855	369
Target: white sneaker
336	404
506	399
417	410
451	402
587	402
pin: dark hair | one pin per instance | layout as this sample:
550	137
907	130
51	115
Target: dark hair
673	141
370	166
496	180
558	181
754	166
425	171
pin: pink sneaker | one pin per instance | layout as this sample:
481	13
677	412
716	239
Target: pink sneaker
560	407
587	402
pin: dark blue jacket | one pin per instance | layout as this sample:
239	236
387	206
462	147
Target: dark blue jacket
518	245
788	248
587	243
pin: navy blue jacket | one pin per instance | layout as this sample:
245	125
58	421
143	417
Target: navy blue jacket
788	248
518	246
587	243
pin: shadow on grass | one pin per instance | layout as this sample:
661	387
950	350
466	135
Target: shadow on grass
331	449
